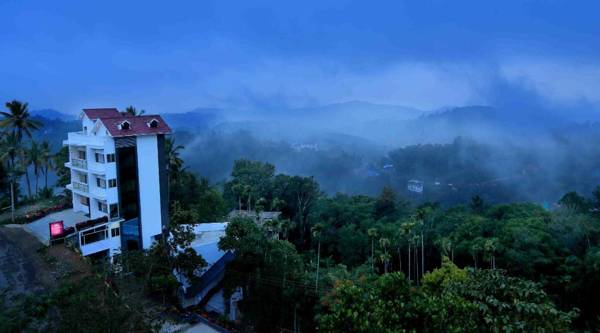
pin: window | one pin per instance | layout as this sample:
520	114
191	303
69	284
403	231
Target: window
84	129
112	183
94	235
99	157
81	154
110	158
114	210
125	125
84	201
82	178
102	207
115	232
153	123
100	182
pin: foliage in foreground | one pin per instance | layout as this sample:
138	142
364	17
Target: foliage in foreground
451	300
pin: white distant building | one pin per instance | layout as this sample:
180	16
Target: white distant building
415	186
119	180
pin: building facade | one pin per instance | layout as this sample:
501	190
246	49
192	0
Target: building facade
119	180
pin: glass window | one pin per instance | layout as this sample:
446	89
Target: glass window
102	207
114	211
112	183
114	232
81	154
100	182
110	158
99	157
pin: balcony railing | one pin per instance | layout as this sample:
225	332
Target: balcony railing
79	163
80	187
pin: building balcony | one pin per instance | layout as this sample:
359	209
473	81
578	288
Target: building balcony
82	187
80	139
79	163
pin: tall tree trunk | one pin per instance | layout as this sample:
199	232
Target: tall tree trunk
372	268
399	259
417	263
318	257
12	200
28	182
422	255
37	176
409	254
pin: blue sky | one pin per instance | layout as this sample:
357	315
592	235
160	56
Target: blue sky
176	56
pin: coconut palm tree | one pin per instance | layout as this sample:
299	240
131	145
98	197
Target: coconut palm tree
9	150
407	228
133	111
316	233
18	120
46	160
34	158
24	161
372	233
385	256
174	162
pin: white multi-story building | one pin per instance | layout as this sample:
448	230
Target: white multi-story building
119	180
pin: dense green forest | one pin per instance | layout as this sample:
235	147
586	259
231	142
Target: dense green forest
360	263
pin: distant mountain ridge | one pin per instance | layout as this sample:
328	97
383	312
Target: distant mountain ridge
52	114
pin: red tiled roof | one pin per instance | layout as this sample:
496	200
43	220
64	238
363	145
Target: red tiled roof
94	114
138	125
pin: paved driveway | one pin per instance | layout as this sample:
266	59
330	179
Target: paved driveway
40	229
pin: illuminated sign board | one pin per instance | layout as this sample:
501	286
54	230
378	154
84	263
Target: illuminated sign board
56	228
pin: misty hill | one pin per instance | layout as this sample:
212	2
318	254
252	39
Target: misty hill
197	119
501	157
52	114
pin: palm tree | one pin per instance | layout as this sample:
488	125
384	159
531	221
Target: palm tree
18	120
9	151
35	158
316	233
407	228
174	162
385	257
372	233
490	247
46	160
133	111
24	160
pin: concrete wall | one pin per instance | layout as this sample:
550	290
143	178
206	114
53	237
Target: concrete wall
149	188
